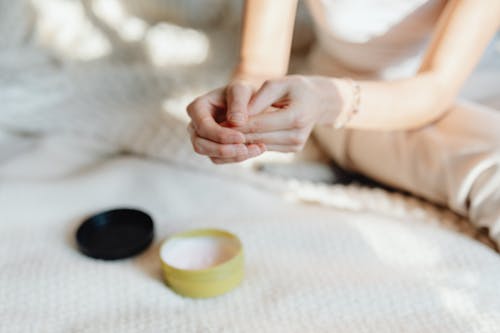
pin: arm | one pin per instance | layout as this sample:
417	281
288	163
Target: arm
265	48
266	39
464	30
462	34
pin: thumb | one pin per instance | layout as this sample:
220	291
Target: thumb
238	96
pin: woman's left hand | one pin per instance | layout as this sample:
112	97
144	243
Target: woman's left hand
283	112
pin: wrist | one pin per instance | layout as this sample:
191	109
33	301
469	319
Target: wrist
345	95
337	99
256	78
351	97
245	78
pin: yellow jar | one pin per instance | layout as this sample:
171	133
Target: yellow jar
202	263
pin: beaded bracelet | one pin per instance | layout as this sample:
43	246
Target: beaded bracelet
348	113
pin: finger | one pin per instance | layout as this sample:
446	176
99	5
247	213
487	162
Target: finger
292	137
216	98
270	93
238	96
190	130
285	148
212	100
253	151
285	119
209	148
202	111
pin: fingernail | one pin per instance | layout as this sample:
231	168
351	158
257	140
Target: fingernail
253	150
236	117
237	138
241	150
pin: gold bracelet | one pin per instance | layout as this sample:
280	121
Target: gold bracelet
348	113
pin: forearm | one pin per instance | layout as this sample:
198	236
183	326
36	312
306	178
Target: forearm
402	104
266	38
463	32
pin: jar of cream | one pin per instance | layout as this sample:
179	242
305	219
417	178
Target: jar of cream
202	263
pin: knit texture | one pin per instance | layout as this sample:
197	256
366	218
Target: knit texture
308	268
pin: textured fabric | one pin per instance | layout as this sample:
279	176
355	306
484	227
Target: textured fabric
118	102
308	268
377	39
456	160
453	162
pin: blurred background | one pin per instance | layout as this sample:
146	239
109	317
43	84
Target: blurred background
113	76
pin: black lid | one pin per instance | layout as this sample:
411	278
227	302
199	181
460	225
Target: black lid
115	234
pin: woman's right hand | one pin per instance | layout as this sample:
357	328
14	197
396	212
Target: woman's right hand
212	116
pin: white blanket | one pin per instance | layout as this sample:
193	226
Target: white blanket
363	261
308	268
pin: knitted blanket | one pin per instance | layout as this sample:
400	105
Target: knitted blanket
89	128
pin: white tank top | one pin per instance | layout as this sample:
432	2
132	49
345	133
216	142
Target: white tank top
371	38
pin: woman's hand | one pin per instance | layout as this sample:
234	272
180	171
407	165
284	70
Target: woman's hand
235	123
213	115
283	112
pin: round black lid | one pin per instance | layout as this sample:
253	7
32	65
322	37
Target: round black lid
115	234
